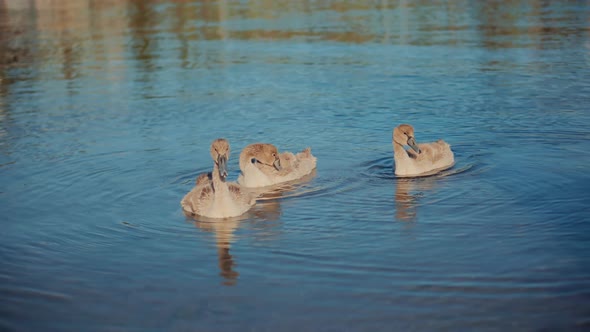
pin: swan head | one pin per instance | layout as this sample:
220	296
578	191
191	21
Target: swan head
404	135
220	155
264	153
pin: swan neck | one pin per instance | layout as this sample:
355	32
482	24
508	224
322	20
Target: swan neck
398	149
218	183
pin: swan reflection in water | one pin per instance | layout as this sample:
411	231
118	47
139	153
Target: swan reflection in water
224	231
224	236
408	192
261	218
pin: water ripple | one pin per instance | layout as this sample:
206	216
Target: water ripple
383	168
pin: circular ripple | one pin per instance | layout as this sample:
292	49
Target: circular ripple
383	168
309	186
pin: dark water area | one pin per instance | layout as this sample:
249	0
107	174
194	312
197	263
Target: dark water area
108	108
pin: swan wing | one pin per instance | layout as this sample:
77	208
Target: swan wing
197	199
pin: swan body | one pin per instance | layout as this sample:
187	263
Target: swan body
262	165
420	159
212	196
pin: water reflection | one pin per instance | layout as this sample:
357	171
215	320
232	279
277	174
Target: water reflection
142	19
10	54
292	188
71	40
262	217
224	237
408	192
266	210
75	33
264	213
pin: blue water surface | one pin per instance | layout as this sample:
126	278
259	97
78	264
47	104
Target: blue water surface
107	111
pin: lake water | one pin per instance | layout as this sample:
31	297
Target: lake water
108	108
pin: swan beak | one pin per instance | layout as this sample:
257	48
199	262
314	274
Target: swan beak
277	164
222	164
413	145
